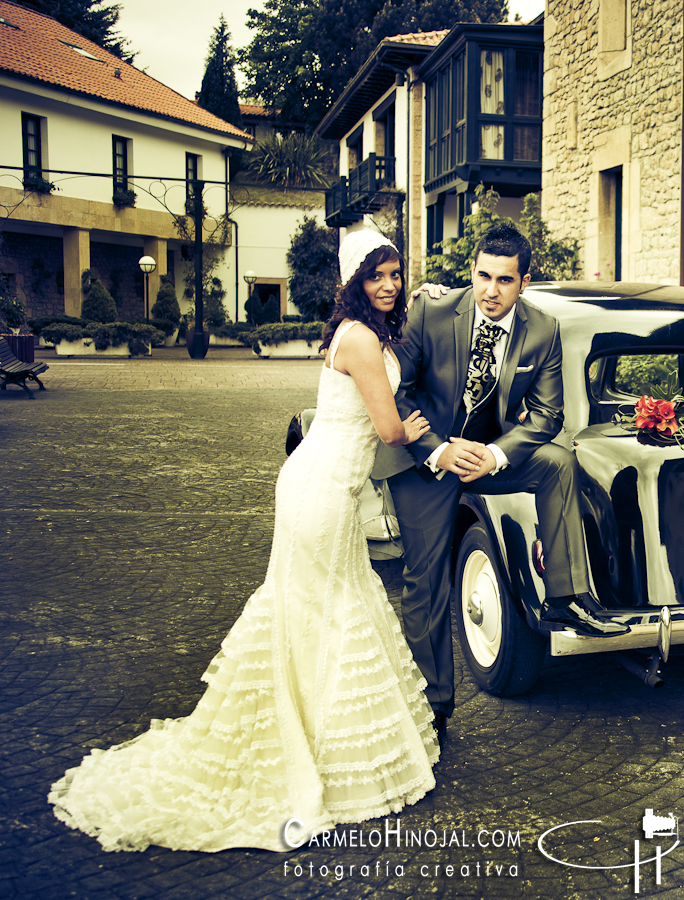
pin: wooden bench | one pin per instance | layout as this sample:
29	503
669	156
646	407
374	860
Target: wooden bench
14	371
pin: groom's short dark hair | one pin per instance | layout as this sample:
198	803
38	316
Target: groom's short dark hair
505	240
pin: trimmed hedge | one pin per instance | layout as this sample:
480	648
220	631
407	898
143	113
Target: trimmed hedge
108	334
282	332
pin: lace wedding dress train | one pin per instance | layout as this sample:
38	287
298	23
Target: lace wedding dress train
314	709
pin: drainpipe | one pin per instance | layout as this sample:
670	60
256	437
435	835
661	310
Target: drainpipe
226	156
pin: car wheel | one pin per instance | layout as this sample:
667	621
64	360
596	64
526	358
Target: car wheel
504	654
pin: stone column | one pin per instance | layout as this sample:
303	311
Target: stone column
156	248
76	253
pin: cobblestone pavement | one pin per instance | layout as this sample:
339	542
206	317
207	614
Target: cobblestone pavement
136	518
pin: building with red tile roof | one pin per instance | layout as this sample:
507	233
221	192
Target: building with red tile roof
95	161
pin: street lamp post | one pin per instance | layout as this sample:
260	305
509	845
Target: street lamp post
250	278
147	265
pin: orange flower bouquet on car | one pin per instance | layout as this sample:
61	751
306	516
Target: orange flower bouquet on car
659	418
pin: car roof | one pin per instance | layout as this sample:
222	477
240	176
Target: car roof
601	316
614	295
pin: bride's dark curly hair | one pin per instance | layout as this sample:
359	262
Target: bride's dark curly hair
352	303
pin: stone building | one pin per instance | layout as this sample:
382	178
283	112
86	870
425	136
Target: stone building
612	135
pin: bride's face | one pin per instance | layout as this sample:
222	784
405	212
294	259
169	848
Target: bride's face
382	287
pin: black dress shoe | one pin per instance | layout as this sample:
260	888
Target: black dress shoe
439	724
577	616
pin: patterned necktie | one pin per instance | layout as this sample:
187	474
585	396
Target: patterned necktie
482	367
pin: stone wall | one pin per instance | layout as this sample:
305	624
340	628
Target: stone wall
613	108
37	267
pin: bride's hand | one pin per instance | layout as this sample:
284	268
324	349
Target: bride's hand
434	291
415	427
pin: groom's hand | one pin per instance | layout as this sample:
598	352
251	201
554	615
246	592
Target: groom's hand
487	465
463	458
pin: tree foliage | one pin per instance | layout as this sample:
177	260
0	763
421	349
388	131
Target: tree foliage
552	260
98	304
219	91
295	160
312	260
304	51
89	18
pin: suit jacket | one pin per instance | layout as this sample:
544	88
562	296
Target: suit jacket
434	364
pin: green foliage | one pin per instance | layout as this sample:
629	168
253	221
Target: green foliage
62	331
259	313
312	260
98	305
214	311
281	332
219	91
647	374
166	305
552	260
88	18
12	310
40	322
35	182
108	334
296	160
304	52
123	197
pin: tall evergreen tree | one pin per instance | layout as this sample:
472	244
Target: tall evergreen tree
304	51
219	92
88	18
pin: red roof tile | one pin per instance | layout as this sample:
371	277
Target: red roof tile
254	109
39	49
431	38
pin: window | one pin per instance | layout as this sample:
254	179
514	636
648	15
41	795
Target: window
120	163
31	140
191	175
492	103
527	138
355	149
458	69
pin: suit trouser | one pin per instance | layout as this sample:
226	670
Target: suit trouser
426	511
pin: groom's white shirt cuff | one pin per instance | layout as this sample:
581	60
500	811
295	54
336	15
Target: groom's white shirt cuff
498	454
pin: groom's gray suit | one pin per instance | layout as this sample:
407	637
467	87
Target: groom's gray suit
434	364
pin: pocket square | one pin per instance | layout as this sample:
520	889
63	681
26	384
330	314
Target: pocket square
523	369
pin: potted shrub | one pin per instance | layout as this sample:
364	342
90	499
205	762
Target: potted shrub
123	197
232	334
40	322
98	305
108	338
166	312
288	339
12	310
35	182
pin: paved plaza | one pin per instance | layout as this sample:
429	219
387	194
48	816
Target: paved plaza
135	521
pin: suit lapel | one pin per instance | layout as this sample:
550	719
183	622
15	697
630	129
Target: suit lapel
464	315
511	358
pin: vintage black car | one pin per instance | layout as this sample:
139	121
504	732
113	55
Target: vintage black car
618	340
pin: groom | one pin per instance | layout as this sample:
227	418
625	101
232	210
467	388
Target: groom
484	367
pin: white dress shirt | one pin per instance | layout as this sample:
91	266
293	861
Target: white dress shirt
499	351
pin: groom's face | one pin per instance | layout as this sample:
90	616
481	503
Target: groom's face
497	284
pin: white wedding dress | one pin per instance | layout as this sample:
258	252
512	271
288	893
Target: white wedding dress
314	708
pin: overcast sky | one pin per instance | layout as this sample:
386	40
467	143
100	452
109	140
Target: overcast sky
172	36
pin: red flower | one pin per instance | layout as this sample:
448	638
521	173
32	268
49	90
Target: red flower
658	414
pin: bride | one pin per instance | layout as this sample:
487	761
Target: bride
314	712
